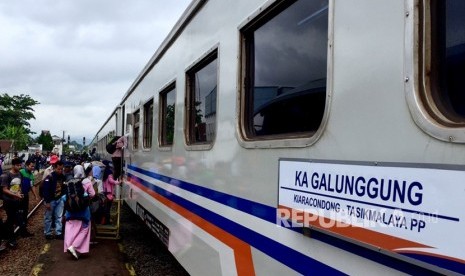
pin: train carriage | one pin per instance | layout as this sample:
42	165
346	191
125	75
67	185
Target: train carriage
277	137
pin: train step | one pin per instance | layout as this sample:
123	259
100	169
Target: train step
107	232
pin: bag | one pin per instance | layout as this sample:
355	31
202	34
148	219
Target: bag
9	178
41	187
76	201
98	203
41	183
111	146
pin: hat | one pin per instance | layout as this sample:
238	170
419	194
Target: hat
53	159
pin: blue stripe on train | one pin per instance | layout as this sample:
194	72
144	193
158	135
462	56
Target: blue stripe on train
284	254
253	208
451	265
269	214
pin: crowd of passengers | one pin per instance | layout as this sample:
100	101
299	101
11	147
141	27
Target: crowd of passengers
75	228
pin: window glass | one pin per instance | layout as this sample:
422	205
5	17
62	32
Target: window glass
136	127
202	91
285	79
148	124
167	101
448	58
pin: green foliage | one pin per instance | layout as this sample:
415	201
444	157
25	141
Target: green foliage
198	113
16	111
170	124
77	147
16	133
46	141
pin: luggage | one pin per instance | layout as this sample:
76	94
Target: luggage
76	200
111	146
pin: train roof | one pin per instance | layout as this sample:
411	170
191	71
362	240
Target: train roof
178	28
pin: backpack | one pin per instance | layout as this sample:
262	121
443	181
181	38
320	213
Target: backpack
76	201
111	146
40	185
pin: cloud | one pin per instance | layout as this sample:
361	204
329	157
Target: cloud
78	58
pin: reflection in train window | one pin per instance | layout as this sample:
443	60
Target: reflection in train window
135	128
285	71
167	115
444	49
201	101
148	124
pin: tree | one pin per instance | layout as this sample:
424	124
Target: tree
18	134
170	124
46	140
16	111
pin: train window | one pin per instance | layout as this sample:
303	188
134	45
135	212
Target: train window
148	124
285	71
135	128
167	114
444	98
435	65
201	101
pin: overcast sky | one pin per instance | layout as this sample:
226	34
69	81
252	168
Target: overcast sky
78	58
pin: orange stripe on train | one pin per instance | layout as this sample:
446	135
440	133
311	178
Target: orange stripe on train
242	250
357	233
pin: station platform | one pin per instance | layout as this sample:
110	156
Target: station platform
105	258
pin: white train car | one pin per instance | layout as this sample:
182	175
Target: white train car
277	137
106	133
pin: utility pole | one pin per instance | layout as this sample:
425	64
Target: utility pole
62	150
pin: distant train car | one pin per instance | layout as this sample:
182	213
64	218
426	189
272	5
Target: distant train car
277	137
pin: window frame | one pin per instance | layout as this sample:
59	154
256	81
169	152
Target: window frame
419	85
189	131
254	22
147	137
136	129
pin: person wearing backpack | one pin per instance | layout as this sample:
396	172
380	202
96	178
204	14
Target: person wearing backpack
78	220
12	196
53	198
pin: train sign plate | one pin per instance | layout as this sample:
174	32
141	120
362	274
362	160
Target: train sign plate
405	210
